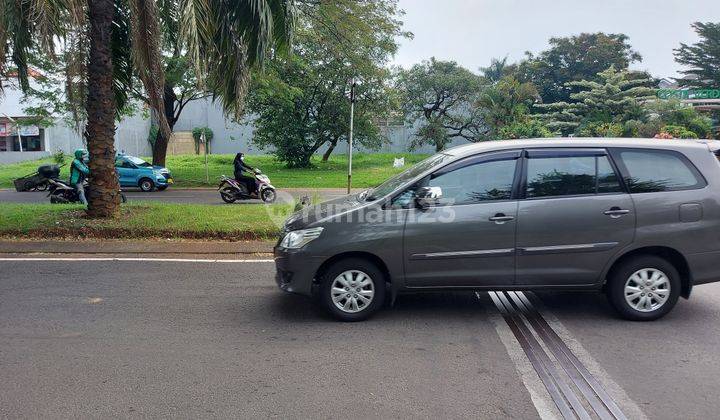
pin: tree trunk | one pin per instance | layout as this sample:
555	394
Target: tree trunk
329	150
103	194
161	143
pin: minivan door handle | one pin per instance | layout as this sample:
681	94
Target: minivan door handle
501	218
616	212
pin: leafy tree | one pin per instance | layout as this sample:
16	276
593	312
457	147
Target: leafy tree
573	59
507	103
300	103
615	98
701	58
498	69
440	96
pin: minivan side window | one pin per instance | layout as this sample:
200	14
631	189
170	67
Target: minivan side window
658	170
475	183
570	175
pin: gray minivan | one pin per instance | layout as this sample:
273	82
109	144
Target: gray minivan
638	219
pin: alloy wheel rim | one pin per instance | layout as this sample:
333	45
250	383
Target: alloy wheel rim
352	291
146	185
647	290
268	195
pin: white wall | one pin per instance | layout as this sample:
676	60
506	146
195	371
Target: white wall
130	136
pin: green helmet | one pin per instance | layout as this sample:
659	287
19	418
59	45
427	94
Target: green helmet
80	153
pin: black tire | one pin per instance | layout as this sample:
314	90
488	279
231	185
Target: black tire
268	195
146	185
358	265
57	197
621	276
228	195
28	186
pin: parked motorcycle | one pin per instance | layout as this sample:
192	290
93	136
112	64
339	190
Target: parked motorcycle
60	192
231	190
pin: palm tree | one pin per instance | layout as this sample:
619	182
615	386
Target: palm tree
105	47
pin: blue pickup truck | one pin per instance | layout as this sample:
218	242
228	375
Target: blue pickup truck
135	172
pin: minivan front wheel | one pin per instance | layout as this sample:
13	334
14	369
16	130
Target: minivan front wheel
644	288
353	289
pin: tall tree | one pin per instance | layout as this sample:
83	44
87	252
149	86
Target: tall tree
702	59
300	102
615	98
505	103
438	97
498	69
575	58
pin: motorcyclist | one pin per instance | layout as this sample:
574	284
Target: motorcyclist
239	167
79	172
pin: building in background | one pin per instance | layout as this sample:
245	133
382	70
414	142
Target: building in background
39	142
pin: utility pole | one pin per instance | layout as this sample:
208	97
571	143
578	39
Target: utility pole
353	84
203	137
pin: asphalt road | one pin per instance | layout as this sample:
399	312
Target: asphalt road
196	339
171	195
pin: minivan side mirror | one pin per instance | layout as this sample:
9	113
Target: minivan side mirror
428	196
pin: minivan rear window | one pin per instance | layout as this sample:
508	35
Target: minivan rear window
658	170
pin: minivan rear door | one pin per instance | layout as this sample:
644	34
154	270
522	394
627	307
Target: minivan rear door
574	216
468	239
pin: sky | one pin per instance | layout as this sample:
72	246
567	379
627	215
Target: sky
472	32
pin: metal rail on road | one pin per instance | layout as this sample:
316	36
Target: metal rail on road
530	329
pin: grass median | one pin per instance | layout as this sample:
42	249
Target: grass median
369	170
144	221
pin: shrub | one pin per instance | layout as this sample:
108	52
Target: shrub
600	129
679	132
524	130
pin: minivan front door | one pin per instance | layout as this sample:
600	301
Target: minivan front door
468	239
574	218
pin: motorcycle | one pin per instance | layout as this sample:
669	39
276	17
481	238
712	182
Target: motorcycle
231	190
60	192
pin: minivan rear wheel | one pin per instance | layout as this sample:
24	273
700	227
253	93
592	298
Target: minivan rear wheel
644	288
352	289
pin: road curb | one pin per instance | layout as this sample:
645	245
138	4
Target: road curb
136	247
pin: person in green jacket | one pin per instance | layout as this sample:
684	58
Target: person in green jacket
78	172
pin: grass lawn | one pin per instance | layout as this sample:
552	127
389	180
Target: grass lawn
239	222
369	170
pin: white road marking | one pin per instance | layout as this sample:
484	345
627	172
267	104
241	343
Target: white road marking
184	260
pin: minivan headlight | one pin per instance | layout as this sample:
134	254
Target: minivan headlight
299	238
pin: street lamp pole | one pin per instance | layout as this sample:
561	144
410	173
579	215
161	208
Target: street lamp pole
350	138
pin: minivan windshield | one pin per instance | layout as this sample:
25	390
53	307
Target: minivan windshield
396	181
